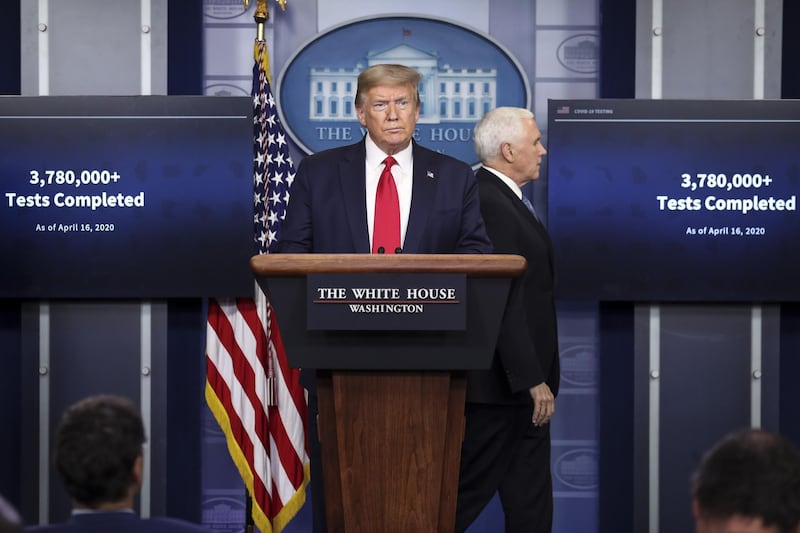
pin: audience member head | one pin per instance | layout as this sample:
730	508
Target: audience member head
749	482
508	140
98	452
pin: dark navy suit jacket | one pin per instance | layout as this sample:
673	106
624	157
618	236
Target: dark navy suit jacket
327	206
527	348
118	522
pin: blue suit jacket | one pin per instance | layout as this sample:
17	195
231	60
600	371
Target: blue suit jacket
327	207
118	522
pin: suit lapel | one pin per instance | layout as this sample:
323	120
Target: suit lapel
423	194
503	190
352	179
517	204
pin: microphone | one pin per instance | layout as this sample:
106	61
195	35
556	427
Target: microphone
381	250
398	250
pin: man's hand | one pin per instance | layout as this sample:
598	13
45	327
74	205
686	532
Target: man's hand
544	404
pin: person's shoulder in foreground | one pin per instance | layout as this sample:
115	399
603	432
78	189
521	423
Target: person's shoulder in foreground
10	521
99	455
748	482
119	522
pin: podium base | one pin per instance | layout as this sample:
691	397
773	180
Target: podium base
391	449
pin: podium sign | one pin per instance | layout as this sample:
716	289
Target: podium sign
359	302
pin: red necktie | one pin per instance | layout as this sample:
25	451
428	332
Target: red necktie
386	231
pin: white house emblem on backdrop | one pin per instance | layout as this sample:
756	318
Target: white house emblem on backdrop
579	53
464	74
227	10
464	95
576	468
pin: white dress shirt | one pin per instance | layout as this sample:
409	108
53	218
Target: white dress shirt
403	173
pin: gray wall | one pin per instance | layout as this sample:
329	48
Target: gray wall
113	47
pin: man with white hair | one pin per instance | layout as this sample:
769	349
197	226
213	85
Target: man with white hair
506	446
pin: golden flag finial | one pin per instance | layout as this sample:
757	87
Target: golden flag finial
262	14
262	11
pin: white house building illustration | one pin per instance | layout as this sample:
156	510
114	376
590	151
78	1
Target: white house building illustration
447	94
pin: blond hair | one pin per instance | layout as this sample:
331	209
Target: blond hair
387	74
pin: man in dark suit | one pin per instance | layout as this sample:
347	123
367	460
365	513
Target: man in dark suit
333	197
98	454
507	436
336	204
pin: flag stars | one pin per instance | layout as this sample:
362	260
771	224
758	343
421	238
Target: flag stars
273	171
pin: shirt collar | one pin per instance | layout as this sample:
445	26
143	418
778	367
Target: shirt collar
375	155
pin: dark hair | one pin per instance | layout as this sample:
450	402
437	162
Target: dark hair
387	74
751	473
97	443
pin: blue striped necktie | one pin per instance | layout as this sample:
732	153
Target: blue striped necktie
529	205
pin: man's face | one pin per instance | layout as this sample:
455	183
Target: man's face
390	114
529	152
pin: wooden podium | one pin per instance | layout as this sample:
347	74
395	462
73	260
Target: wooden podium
391	401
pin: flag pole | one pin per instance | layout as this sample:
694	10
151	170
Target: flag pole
265	437
260	16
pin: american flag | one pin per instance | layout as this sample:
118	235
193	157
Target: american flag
254	394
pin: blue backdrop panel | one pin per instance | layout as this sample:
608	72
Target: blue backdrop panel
665	204
118	197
